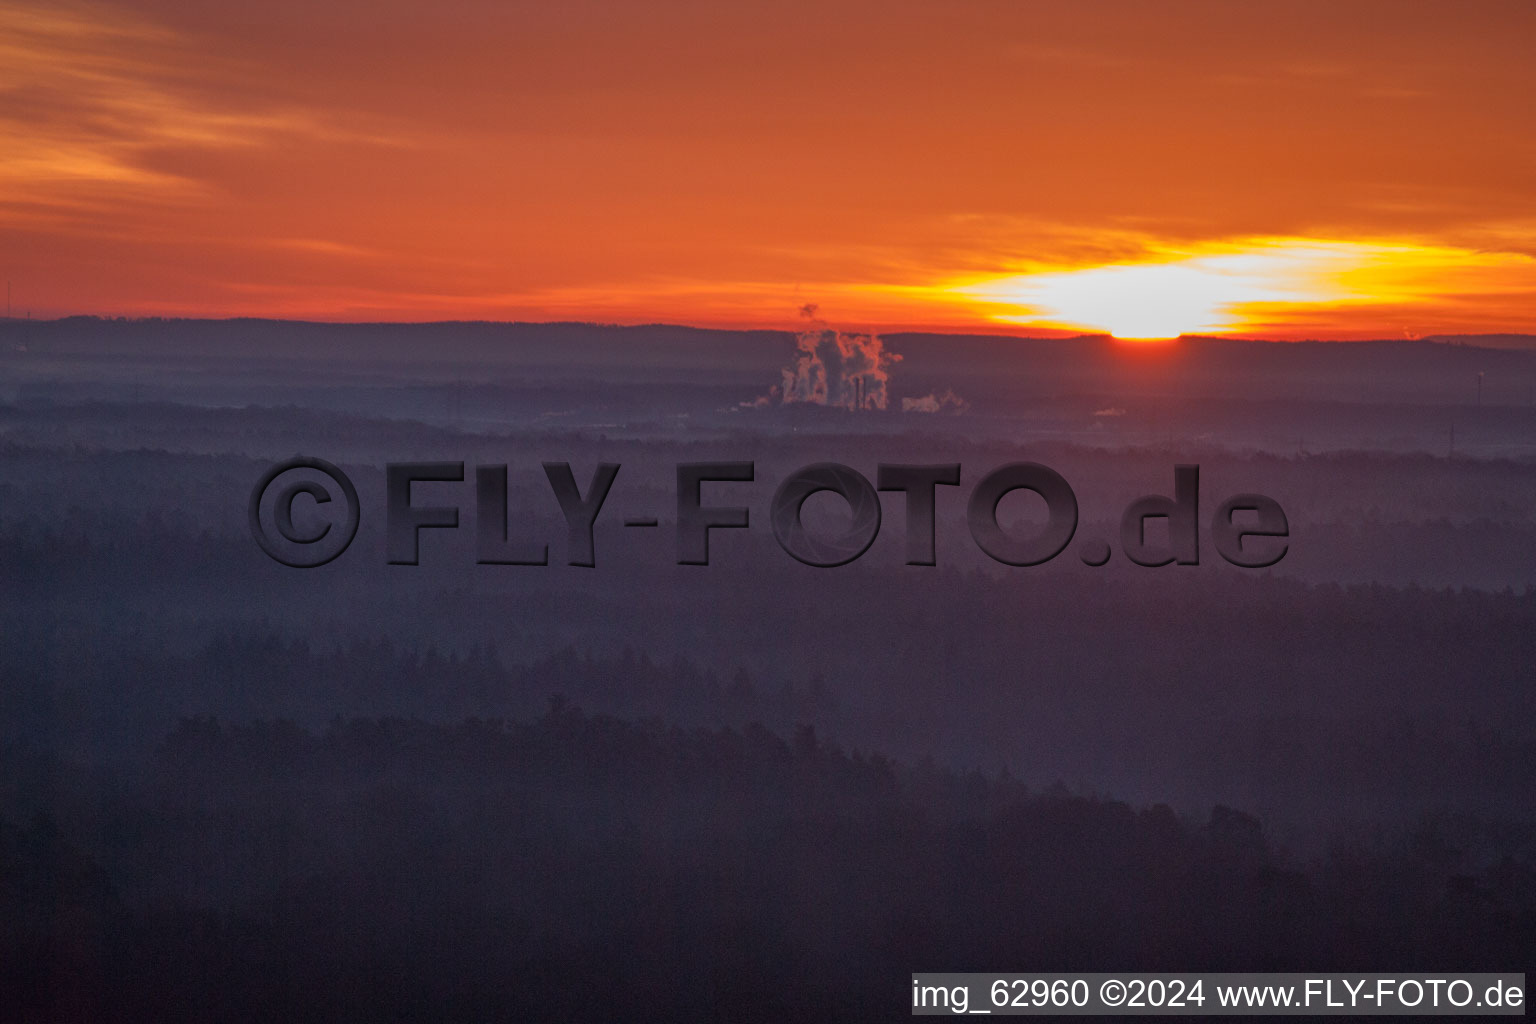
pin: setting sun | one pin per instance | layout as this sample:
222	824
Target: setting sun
1128	301
1237	287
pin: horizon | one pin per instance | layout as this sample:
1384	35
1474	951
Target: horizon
991	332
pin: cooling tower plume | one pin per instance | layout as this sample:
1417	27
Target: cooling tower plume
836	368
934	401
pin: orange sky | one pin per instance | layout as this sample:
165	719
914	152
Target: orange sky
1330	169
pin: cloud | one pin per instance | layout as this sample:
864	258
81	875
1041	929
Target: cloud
90	98
1266	284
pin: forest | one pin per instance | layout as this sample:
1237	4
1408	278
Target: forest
757	789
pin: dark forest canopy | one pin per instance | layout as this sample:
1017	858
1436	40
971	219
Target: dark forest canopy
684	873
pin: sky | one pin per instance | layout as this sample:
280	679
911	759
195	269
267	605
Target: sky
1269	169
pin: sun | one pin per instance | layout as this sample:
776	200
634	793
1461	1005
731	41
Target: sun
1222	289
1161	298
1141	302
1271	286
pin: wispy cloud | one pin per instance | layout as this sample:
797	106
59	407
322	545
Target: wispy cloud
89	96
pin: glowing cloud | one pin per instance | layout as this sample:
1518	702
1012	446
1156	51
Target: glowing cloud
97	98
1241	285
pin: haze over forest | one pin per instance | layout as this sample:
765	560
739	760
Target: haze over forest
212	761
